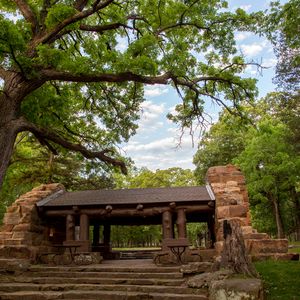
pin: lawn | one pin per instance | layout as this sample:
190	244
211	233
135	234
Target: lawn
281	279
295	247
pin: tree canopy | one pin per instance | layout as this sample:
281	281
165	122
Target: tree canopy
268	153
73	71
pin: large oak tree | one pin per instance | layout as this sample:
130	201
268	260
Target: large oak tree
73	71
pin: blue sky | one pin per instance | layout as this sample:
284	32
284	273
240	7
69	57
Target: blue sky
156	144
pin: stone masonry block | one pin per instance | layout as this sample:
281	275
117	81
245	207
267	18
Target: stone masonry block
261	246
6	227
247	229
231	211
11	218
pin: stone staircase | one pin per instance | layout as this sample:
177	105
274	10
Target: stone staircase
108	281
138	254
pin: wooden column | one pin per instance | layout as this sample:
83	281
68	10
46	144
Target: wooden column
167	226
84	227
181	223
211	230
96	234
106	234
70	228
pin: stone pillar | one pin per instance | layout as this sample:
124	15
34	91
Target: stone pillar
181	223
96	234
167	225
84	227
70	228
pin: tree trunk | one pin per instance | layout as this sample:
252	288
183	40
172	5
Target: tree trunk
7	140
278	219
295	198
234	256
8	132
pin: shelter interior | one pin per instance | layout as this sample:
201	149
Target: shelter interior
75	218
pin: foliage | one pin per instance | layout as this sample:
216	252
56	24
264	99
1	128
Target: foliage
281	279
73	71
267	150
220	145
32	165
283	27
145	178
271	168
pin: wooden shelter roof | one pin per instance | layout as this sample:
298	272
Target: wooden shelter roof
128	196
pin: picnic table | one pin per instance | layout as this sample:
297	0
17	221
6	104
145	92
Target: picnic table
71	247
177	247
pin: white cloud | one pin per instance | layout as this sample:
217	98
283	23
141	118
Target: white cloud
155	90
162	153
269	62
240	36
252	49
246	7
151	116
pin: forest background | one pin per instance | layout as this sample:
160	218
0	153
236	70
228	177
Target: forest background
78	98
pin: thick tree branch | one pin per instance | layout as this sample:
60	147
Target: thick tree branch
47	135
50	36
49	74
102	28
28	14
80	4
3	73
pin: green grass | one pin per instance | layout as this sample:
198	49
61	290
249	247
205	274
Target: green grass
295	248
281	279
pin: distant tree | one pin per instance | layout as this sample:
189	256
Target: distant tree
272	170
145	178
221	144
283	29
32	165
267	150
73	71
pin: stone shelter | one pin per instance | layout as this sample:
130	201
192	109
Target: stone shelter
49	216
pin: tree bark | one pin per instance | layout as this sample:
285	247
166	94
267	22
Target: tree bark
234	256
278	219
8	132
296	200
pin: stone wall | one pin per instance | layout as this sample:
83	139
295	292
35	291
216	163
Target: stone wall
23	234
232	202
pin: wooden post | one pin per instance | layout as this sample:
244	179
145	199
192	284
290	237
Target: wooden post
84	227
181	223
96	234
167	225
106	235
70	228
211	230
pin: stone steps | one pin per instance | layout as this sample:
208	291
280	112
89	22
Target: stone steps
137	254
17	287
133	281
106	268
73	274
101	295
108	281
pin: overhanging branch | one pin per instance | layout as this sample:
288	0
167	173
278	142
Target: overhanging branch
28	14
47	135
49	74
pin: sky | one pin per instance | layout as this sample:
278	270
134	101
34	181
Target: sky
157	144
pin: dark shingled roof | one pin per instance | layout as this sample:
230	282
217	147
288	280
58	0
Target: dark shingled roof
129	196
